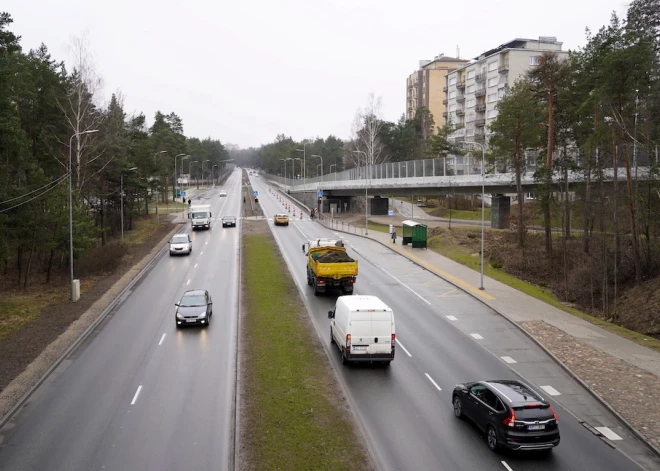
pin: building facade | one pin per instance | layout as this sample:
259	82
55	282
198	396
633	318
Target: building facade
426	87
474	89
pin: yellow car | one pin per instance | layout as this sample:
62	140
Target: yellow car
281	219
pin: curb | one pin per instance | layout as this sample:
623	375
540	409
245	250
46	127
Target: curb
81	338
237	378
597	396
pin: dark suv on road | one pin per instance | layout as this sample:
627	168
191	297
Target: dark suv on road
510	413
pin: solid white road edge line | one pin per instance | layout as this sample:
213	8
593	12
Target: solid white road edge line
137	393
434	383
506	466
161	339
404	348
476	336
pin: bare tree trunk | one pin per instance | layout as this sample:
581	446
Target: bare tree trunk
617	235
632	211
586	234
34	244
50	265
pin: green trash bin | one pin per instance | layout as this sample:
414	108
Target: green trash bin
414	233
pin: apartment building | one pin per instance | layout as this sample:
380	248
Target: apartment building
426	87
474	89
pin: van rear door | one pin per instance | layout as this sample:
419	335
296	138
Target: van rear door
360	330
381	333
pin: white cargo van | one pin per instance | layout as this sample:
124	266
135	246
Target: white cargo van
363	329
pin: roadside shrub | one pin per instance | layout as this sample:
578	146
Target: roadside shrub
100	260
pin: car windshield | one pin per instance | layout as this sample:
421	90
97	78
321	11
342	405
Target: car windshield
189	301
200	215
180	240
229	217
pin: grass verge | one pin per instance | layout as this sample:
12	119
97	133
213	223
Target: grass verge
294	415
15	313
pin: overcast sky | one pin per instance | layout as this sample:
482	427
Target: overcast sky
243	71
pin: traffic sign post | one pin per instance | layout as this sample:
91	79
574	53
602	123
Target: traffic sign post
255	193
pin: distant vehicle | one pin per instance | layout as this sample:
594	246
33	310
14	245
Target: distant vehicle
281	220
229	221
195	307
200	216
329	266
363	329
180	244
222	193
510	412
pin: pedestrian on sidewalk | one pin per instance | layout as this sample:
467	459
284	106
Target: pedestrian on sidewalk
394	236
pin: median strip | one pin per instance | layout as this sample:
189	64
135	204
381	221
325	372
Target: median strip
293	414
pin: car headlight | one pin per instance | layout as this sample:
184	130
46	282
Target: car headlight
178	315
203	314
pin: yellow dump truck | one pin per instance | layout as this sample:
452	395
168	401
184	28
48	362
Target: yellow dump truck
329	266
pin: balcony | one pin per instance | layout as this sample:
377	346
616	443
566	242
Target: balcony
444	114
480	123
460	98
460	85
503	68
445	101
480	92
480	78
460	112
480	108
459	139
444	89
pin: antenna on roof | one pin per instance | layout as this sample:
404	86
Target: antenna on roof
458	52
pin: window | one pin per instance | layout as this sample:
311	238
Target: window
469	118
493	81
452	81
490	398
492	97
469	132
492	66
501	92
452	94
470	74
491	114
470	103
470	89
534	60
452	108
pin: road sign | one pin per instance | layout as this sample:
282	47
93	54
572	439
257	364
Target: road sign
255	193
390	212
319	194
183	193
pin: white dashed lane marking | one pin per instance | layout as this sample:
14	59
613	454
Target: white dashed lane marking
137	393
452	318
161	339
608	433
404	348
476	336
434	383
550	390
509	360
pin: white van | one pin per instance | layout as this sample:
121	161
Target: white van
363	329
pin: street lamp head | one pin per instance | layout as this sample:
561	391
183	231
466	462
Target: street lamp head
90	131
131	169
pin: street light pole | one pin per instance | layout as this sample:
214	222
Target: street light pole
304	151
203	162
483	204
182	159
176	179
366	195
284	160
212	178
121	199
76	135
321	165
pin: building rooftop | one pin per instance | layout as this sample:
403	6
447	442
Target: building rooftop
519	43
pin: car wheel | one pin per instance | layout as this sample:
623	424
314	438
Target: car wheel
491	438
458	407
316	292
208	320
344	360
332	338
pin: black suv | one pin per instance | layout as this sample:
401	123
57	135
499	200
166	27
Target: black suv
511	414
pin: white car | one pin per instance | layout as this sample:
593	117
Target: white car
180	244
222	193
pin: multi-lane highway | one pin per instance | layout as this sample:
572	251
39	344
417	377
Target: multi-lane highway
446	337
140	394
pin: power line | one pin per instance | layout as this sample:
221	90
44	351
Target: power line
54	182
34	197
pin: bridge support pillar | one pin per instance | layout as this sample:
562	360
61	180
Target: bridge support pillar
500	211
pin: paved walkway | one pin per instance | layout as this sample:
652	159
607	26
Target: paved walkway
415	212
520	307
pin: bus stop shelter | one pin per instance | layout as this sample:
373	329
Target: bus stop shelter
414	233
